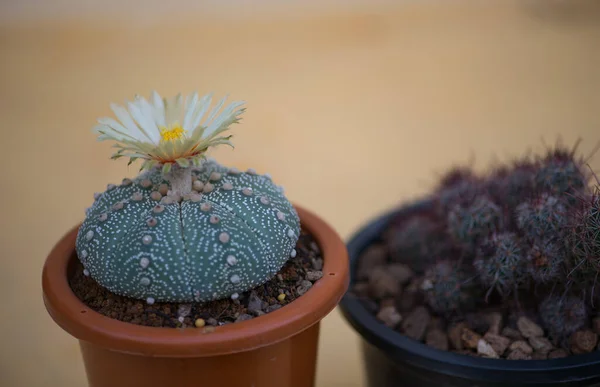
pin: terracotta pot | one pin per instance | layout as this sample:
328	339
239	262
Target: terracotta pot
278	349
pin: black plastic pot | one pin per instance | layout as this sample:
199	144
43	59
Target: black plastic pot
392	359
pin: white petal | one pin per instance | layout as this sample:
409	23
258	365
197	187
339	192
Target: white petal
225	115
201	108
159	109
145	123
148	113
173	110
189	111
110	125
215	110
123	116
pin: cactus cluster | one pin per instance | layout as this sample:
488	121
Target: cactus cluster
187	228
529	225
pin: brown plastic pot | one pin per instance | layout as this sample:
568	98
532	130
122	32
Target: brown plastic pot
278	349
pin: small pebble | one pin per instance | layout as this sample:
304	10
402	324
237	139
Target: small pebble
540	344
281	297
272	308
583	341
486	350
499	343
314	275
415	323
455	335
518	355
512	334
244	317
389	316
521	346
539	356
528	328
470	339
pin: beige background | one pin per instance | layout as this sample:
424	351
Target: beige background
353	109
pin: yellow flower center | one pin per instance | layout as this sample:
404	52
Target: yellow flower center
171	133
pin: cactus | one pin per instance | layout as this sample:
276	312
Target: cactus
509	185
417	242
546	262
187	228
448	289
459	187
561	175
500	263
562	316
542	218
468	226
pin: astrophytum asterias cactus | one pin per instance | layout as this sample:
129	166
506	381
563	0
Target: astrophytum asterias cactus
195	233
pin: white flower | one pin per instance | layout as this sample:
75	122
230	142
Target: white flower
167	131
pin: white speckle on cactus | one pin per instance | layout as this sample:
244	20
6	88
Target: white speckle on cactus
251	171
137	197
280	215
198	185
231	260
126	182
152	222
117	206
158	208
145	281
155	195
267	175
96	195
293	253
227	186
149	300
215	176
86	272
144	262
223	237
146	239
84	254
234	171
291	233
208	188
235	279
264	200
281	189
235	296
214	219
205	207
146	183
89	235
111	187
247	191
103	216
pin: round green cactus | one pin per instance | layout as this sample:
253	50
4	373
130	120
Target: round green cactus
233	234
187	233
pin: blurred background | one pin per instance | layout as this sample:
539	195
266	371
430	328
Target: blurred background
354	106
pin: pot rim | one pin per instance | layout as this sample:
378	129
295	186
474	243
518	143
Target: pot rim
85	324
401	348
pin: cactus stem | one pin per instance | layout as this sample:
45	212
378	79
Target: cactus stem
181	181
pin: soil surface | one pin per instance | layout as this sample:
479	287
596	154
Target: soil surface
499	329
292	281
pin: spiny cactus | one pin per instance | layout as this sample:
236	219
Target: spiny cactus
468	226
190	231
510	185
500	263
542	218
459	187
417	242
545	262
560	174
448	289
562	316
